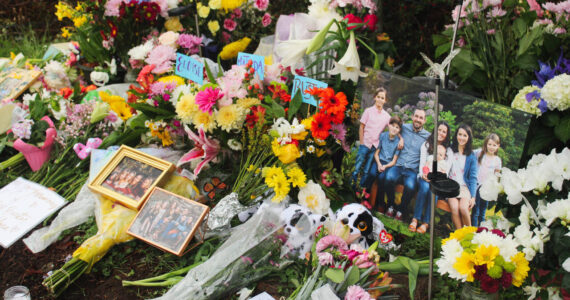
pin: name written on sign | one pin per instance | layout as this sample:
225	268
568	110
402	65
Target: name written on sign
189	68
302	83
258	62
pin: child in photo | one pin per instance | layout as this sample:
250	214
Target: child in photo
442	164
489	163
385	157
372	123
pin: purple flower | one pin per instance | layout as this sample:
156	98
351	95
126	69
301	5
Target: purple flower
544	74
533	95
23	129
542	105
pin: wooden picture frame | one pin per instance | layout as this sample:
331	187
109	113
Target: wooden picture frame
169	221
129	176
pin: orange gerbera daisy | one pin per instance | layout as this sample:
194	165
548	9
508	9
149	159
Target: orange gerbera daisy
313	91
320	126
332	103
337	117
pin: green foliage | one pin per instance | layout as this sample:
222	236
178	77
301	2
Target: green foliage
27	42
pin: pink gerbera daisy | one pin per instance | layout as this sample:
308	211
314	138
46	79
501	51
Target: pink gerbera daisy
207	98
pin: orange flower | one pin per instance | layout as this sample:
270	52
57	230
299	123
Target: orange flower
320	126
382	37
337	117
313	91
331	103
66	92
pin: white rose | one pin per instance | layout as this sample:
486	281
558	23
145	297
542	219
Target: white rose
169	38
99	78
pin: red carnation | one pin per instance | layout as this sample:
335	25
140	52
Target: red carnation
489	284
370	22
506	279
352	19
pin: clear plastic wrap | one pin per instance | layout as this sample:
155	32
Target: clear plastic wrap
251	252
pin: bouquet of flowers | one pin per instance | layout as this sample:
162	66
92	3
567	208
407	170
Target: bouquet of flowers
536	202
487	258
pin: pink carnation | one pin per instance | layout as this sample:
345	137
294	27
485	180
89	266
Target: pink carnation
230	24
207	98
325	258
261	4
237	13
112	8
355	292
162	57
190	42
226	37
266	20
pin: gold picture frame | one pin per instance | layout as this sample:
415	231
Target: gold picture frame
169	221
129	176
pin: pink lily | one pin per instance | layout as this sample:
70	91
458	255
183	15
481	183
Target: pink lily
37	156
204	148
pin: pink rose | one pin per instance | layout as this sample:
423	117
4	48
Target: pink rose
266	20
261	4
230	24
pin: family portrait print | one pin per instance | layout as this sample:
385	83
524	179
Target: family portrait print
132	178
168	221
475	139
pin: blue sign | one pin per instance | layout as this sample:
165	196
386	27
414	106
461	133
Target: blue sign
257	60
189	68
302	84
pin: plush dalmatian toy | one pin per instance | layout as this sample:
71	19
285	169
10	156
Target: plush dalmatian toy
364	228
300	227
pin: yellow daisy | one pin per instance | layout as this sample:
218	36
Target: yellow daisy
297	177
521	270
486	255
465	264
460	234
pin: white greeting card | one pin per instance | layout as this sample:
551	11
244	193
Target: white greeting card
23	205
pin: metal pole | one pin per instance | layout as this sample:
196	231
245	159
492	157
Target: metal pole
198	33
432	203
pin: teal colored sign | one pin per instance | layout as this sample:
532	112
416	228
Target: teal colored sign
189	68
301	83
257	60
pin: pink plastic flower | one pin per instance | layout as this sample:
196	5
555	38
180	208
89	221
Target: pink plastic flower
266	20
331	240
204	148
207	98
37	156
261	4
355	292
162	57
230	24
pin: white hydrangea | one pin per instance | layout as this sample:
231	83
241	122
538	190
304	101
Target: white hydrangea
556	92
520	102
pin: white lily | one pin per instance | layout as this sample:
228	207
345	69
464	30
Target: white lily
349	65
292	51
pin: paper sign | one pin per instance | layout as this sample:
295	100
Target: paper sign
189	68
305	83
24	205
257	60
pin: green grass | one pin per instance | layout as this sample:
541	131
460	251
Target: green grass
26	41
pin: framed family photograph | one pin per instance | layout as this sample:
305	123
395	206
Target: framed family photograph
129	176
169	221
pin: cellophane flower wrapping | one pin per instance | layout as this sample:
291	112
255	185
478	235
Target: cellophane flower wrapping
251	252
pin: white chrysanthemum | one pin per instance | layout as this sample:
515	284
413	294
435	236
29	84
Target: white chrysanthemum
559	209
508	246
497	222
29	98
141	51
450	251
491	188
313	197
556	92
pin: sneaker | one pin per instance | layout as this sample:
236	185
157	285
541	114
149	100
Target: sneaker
398	216
390	212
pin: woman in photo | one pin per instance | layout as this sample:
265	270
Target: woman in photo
463	171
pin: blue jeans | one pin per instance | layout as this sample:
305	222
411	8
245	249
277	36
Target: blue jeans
409	178
364	159
423	202
479	210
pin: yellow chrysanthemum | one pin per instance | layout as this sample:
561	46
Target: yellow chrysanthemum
248	102
213	26
173	24
77	22
307	122
215	4
172	78
459	234
231	4
272	175
186	108
281	188
230	117
486	255
203	11
521	270
465	264
297	177
80	6
205	119
65	32
231	50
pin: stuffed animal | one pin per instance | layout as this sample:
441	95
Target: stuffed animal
300	227
364	228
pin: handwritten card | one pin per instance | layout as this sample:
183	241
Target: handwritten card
257	60
304	83
23	205
189	68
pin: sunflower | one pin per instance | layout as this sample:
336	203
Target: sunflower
230	117
186	108
231	50
320	126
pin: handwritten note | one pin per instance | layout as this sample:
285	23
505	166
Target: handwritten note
189	68
302	84
257	60
24	204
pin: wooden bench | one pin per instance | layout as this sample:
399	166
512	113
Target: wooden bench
441	204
